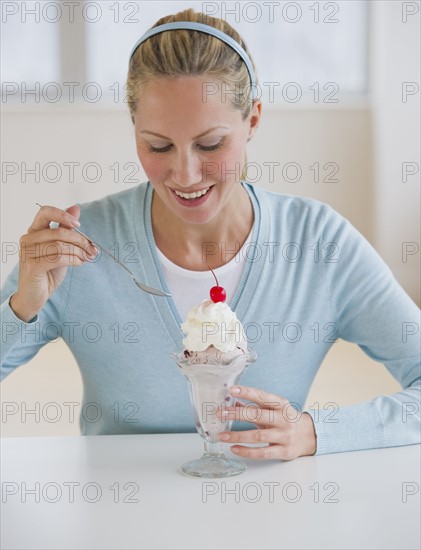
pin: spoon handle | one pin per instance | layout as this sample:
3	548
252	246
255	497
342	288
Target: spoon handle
103	250
142	286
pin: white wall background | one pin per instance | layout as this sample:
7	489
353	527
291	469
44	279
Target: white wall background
368	139
395	105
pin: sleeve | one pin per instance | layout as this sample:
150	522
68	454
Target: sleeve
21	341
373	311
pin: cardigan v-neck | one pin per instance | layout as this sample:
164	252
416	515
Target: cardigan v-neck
154	272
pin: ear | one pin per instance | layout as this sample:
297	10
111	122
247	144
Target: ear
254	117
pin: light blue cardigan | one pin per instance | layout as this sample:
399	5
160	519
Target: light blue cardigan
310	278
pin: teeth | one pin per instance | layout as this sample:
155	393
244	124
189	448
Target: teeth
192	195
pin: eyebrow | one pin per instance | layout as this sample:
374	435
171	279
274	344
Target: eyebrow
197	137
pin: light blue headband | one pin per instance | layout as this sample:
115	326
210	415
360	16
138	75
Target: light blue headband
207	29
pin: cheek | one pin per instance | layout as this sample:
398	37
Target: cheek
154	167
228	165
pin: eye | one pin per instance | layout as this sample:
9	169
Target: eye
163	150
211	147
202	147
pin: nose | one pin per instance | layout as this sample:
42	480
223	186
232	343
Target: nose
186	170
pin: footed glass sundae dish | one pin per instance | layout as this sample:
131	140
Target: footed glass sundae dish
214	357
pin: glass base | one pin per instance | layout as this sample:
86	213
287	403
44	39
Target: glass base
213	466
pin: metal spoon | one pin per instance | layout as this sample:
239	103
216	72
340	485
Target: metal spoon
142	286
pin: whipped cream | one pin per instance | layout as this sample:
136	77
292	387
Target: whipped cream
212	324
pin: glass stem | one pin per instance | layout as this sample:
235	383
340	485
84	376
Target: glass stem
215	449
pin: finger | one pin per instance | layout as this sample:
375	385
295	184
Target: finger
56	259
50	250
48	214
250	413
57	234
258	453
252	436
74	211
66	260
261	397
235	403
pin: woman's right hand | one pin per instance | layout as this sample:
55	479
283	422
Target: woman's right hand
45	254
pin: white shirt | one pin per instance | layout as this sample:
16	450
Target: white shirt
189	288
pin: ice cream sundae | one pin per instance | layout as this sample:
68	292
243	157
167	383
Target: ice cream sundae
215	355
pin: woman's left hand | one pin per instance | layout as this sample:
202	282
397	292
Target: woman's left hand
288	432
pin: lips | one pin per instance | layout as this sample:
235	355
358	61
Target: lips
194	195
192	199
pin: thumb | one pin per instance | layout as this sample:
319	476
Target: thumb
74	211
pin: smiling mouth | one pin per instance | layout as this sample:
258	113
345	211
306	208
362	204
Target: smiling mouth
190	196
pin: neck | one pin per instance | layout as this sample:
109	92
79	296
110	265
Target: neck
200	246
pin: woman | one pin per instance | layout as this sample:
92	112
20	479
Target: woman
298	274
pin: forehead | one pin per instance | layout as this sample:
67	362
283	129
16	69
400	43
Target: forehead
189	98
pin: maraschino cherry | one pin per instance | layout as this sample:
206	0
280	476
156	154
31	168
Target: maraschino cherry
217	293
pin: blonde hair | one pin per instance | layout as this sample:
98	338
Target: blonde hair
184	52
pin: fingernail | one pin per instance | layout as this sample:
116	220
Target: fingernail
75	223
224	437
235	389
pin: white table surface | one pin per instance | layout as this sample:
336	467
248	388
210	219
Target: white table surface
364	499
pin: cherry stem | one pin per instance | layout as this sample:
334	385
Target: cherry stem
217	284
